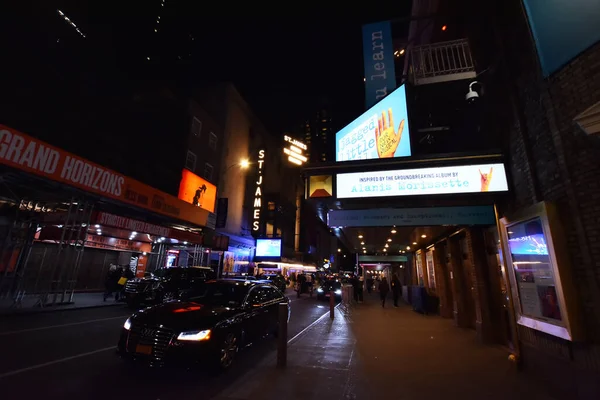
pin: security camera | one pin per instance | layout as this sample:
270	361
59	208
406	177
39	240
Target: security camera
472	95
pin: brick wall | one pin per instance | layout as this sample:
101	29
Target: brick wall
564	164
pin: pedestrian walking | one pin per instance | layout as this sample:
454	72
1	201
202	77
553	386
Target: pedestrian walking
384	288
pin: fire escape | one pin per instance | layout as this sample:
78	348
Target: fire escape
439	63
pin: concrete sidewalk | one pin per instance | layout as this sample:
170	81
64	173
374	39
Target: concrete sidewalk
368	352
80	300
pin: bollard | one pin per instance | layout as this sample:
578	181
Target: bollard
331	304
282	335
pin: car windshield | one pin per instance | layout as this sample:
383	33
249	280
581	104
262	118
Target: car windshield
332	285
166	272
216	293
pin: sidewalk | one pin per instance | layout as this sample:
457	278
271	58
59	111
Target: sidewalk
368	352
80	300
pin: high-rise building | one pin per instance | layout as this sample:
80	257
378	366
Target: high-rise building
318	136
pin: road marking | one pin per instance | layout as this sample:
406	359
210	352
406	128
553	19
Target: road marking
60	326
310	326
47	364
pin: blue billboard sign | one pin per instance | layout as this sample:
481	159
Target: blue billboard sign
268	247
380	75
562	29
381	132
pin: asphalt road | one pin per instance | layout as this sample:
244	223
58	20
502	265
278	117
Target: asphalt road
72	353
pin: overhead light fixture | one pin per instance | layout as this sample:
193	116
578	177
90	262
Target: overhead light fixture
364	251
339	250
362	243
360	236
384	249
387	245
444	27
414	243
423	236
393	231
401	51
407	247
389	240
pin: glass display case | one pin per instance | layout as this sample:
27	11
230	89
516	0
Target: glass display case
539	271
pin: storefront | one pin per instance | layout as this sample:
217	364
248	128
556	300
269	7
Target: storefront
64	220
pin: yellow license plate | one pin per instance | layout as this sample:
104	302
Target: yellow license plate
143	349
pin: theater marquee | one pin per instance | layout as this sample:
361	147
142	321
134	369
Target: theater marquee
423	181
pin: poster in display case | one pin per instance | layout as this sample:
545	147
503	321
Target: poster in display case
540	273
419	266
430	269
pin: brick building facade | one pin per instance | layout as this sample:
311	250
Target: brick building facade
551	158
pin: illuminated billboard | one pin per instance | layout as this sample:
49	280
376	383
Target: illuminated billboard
268	247
381	132
197	191
423	181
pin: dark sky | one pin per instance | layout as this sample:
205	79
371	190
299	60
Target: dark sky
286	66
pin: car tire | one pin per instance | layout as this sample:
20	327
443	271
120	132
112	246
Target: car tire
227	350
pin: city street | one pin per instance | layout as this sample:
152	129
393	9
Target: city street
72	353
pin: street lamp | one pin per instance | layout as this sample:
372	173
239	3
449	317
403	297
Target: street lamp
243	164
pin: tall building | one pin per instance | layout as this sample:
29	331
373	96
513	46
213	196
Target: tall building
318	134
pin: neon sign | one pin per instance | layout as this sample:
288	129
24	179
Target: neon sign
258	193
295	151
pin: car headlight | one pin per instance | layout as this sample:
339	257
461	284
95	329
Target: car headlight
194	335
339	291
127	324
320	290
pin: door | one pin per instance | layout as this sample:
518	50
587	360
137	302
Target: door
257	311
274	297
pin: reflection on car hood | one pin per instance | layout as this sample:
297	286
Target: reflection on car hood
183	315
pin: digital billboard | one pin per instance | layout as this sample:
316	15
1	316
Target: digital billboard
381	132
197	191
423	181
268	247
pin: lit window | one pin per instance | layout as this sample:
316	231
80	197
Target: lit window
190	161
271	206
208	171
212	141
196	127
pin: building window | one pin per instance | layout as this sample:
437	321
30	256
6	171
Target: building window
208	172
190	161
271	206
212	141
196	127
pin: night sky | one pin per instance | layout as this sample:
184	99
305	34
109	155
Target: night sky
286	67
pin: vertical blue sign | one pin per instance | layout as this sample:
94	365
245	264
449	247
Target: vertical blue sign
380	76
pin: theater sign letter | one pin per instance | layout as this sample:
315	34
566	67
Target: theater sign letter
258	192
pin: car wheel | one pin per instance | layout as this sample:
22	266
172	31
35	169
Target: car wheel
168	296
228	350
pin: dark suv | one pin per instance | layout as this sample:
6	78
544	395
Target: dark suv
276	280
164	284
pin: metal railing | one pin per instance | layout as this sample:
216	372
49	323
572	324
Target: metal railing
442	62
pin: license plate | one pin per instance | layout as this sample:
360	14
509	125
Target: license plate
143	349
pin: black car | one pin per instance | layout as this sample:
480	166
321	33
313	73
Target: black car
164	284
207	325
324	291
276	280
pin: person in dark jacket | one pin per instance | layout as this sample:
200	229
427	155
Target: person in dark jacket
396	289
384	288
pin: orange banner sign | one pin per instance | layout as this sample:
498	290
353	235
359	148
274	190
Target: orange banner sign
197	191
28	154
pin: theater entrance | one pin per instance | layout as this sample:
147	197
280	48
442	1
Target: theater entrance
447	259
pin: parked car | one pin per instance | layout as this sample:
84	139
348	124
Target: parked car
164	284
276	280
324	291
208	323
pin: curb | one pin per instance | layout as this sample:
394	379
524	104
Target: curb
31	310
